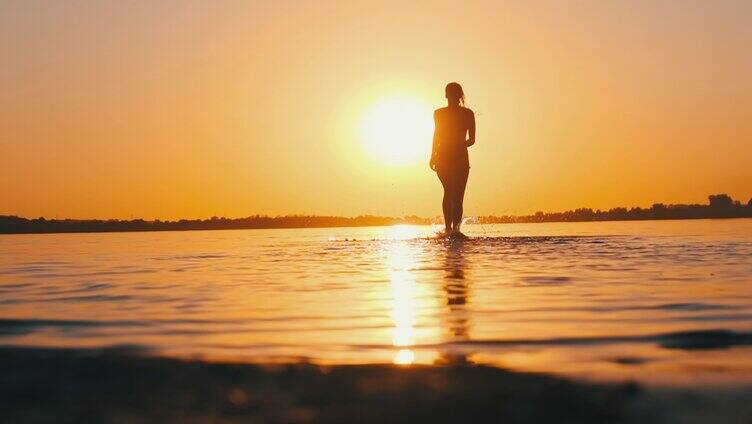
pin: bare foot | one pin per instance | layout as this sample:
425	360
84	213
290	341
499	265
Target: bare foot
456	235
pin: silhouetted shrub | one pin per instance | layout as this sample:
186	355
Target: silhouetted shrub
720	201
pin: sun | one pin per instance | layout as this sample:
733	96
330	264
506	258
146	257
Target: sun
396	130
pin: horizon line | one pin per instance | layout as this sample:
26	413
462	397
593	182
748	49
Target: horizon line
725	198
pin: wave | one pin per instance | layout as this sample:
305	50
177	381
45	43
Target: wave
686	340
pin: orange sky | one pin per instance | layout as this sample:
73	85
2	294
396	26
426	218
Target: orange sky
190	109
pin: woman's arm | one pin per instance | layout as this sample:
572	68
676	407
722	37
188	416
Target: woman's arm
471	129
435	148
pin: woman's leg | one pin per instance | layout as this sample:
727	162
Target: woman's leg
446	203
458	196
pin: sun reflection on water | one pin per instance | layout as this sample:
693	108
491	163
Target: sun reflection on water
400	261
404	357
407	232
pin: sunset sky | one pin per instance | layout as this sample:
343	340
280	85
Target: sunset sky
172	109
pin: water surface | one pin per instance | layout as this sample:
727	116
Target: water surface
660	302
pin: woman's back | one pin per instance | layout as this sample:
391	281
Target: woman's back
452	125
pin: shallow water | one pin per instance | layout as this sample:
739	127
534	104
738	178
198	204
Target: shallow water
660	302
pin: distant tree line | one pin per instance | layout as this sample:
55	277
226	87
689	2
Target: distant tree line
719	206
18	225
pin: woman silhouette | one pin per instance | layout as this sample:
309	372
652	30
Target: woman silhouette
454	133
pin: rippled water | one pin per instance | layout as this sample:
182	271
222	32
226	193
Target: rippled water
662	302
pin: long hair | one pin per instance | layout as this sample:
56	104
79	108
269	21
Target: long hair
453	90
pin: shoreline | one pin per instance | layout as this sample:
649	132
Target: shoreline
121	385
720	206
156	230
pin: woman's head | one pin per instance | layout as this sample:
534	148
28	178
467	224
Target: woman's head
454	93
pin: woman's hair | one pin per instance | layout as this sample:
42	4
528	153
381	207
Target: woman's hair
453	90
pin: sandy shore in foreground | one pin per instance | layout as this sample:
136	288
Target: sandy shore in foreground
110	386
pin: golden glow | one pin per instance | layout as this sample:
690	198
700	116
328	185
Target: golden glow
397	130
238	108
